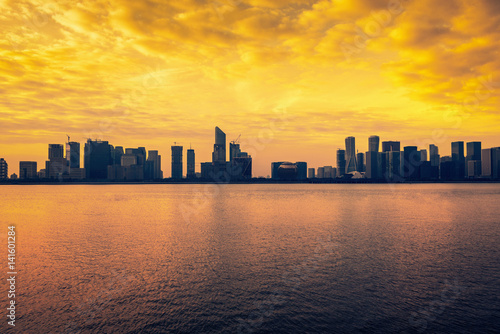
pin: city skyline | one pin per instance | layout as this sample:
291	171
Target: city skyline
302	74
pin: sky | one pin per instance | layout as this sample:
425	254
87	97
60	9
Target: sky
292	77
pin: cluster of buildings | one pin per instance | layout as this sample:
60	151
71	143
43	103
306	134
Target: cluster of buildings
391	163
102	161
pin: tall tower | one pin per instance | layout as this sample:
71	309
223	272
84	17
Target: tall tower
190	164
219	154
373	143
434	155
73	154
96	159
4	169
340	162
458	159
350	154
176	162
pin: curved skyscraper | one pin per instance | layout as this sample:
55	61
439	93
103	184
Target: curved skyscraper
340	162
350	154
219	154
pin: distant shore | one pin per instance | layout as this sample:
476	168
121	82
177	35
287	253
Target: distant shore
252	181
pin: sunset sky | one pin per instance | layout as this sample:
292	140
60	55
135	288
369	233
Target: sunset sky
294	78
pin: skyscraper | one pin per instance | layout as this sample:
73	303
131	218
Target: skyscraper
4	169
154	161
176	162
73	154
27	170
56	151
388	146
57	164
423	155
350	154
96	159
372	165
473	154
341	163
360	162
411	162
219	154
458	159
434	155
190	164
234	151
373	143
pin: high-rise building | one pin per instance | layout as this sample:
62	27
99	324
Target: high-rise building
371	165
350	154
394	166
473	154
73	154
310	173
219	154
474	169
27	170
56	151
423	155
190	164
341	162
234	151
176	162
388	146
328	171
434	155
4	169
373	144
96	159
154	161
360	162
458	159
490	163
411	162
321	172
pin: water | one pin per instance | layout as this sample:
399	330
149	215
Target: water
304	258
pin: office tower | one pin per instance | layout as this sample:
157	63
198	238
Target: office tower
328	172
274	169
301	170
383	165
190	164
360	162
490	163
73	154
446	169
434	155
4	169
117	155
341	162
310	173
373	144
27	170
393	166
474	169
219	153
388	146
96	159
423	155
176	162
411	162
154	163
473	154
321	172
234	151
56	151
458	159
371	165
350	154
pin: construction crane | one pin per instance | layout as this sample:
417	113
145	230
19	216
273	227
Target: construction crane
68	137
236	140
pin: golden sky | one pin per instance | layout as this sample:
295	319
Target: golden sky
293	77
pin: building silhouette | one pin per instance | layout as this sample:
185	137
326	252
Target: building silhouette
28	170
219	153
474	155
4	169
350	154
341	162
311	173
96	159
434	155
73	154
458	159
411	163
176	162
191	173
360	162
373	143
153	166
388	146
57	165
